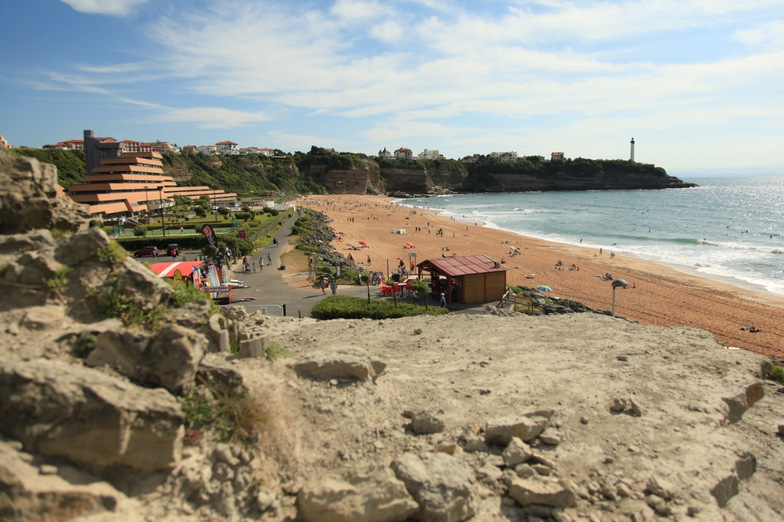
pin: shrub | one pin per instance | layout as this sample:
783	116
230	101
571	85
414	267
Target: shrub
113	304
276	352
345	307
57	281
234	417
112	254
84	344
777	374
186	293
140	231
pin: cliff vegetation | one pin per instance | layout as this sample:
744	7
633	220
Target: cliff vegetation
325	171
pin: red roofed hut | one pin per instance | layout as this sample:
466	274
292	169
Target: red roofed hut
465	279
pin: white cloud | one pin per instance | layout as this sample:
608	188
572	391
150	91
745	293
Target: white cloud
768	34
105	7
211	117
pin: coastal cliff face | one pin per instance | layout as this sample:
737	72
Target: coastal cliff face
365	179
422	181
513	182
549	178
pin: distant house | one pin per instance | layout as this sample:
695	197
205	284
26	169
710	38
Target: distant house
210	150
134	146
465	279
470	159
404	153
504	156
189	149
227	148
557	156
69	145
384	154
164	146
428	154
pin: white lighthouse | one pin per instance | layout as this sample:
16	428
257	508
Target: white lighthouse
631	156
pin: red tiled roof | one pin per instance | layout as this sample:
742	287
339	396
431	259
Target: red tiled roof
463	265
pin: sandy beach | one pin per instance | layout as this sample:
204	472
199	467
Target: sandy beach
657	294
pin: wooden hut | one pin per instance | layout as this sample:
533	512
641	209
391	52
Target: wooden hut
465	279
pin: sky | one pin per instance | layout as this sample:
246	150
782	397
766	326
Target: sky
699	84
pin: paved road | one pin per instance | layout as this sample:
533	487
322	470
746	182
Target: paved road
270	290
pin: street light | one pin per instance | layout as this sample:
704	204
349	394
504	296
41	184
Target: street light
147	204
214	206
618	283
160	207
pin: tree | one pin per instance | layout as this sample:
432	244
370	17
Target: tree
365	278
420	288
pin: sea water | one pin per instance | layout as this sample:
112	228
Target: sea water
728	228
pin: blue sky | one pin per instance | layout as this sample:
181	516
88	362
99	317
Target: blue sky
699	84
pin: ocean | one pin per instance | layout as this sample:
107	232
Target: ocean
729	228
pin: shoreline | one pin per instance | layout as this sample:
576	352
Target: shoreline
659	294
739	283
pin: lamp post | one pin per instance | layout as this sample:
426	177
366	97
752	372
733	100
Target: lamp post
618	283
214	206
147	204
160	207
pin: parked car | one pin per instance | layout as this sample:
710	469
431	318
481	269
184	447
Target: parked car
173	250
146	251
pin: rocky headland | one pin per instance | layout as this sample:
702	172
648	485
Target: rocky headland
121	402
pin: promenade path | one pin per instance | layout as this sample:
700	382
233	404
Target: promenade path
270	289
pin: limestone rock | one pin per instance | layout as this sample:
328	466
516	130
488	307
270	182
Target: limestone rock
87	417
40	493
81	246
341	363
516	453
443	486
121	350
196	316
173	357
222	380
169	359
725	489
256	347
373	496
49	317
29	199
541	490
526	427
141	286
427	421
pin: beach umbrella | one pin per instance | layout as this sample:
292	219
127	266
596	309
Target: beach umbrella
363	242
544	288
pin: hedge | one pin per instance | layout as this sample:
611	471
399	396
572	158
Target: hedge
346	307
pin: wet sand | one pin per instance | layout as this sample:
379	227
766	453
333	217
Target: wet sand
657	294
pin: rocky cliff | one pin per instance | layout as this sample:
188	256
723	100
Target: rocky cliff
122	400
363	179
424	181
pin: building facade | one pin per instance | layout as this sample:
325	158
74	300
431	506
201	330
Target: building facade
123	184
